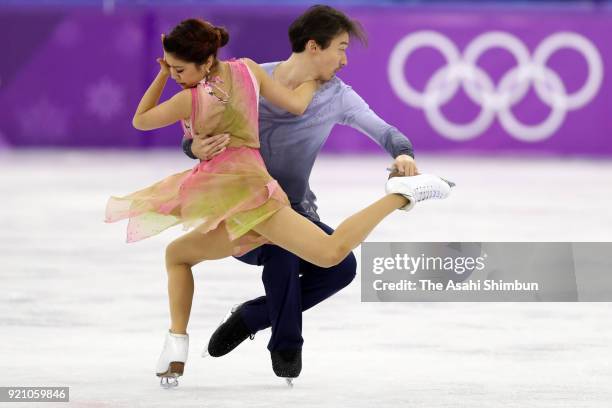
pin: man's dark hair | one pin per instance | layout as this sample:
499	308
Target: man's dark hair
322	24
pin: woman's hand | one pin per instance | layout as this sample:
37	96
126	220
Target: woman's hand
164	68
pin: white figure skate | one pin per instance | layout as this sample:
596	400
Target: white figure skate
172	360
419	188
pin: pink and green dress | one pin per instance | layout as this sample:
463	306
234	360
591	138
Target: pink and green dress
233	190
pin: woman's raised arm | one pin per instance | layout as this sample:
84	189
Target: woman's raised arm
149	115
292	100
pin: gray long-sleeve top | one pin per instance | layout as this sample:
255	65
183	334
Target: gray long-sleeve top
290	144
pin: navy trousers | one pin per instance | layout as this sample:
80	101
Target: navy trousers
292	285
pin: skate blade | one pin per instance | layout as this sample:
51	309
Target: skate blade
168	382
289	382
205	353
169	379
450	183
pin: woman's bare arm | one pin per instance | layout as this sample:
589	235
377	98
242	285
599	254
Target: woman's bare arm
149	115
295	101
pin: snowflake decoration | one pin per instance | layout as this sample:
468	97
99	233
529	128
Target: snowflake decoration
104	99
127	39
68	34
44	121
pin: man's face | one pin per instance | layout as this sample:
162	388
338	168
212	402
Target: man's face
330	60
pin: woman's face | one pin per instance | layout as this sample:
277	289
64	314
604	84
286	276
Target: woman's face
186	74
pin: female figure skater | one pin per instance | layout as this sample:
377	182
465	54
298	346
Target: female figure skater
230	202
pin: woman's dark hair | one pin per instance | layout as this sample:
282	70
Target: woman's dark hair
322	24
195	40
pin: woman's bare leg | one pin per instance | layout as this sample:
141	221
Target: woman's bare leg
287	229
183	253
296	234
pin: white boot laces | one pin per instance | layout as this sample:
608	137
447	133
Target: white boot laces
426	192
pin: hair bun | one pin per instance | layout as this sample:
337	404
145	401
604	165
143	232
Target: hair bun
223	36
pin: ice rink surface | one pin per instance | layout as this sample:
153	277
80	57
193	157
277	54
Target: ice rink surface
80	308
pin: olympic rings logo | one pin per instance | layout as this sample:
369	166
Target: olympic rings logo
462	70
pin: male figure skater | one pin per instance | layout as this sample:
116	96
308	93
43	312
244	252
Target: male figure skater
289	146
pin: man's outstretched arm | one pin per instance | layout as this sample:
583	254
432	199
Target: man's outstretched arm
359	116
